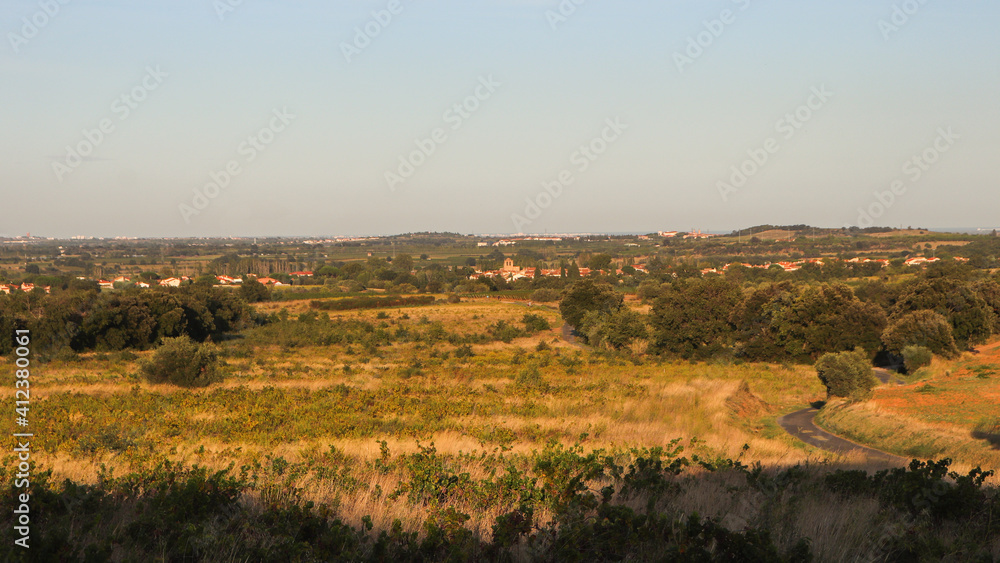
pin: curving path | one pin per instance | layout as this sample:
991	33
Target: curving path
567	332
800	424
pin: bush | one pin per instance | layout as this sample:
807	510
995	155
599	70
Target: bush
184	363
846	374
503	331
535	323
530	379
916	357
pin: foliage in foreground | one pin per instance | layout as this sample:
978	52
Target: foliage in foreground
174	513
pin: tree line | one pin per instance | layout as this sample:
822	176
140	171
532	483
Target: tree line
700	318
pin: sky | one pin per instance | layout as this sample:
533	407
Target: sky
323	118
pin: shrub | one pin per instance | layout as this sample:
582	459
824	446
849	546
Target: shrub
535	323
916	357
454	298
530	379
503	331
182	362
846	374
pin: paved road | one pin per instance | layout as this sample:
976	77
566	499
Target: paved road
800	424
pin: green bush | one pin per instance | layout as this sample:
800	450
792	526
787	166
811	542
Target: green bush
916	357
846	374
184	363
503	331
535	323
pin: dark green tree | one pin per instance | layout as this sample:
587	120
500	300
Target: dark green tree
753	319
828	318
921	328
585	296
970	316
253	291
599	262
615	330
691	318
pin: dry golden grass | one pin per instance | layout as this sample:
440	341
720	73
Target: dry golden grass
603	404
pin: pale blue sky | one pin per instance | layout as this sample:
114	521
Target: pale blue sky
325	171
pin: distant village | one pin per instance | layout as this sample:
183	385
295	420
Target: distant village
121	281
510	272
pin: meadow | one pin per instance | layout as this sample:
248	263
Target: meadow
462	431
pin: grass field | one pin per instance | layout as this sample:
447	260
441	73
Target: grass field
416	412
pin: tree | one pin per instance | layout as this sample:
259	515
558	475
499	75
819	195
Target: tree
828	318
970	316
182	362
403	263
573	272
599	262
846	374
585	296
753	319
989	291
691	318
118	322
615	330
921	328
254	291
